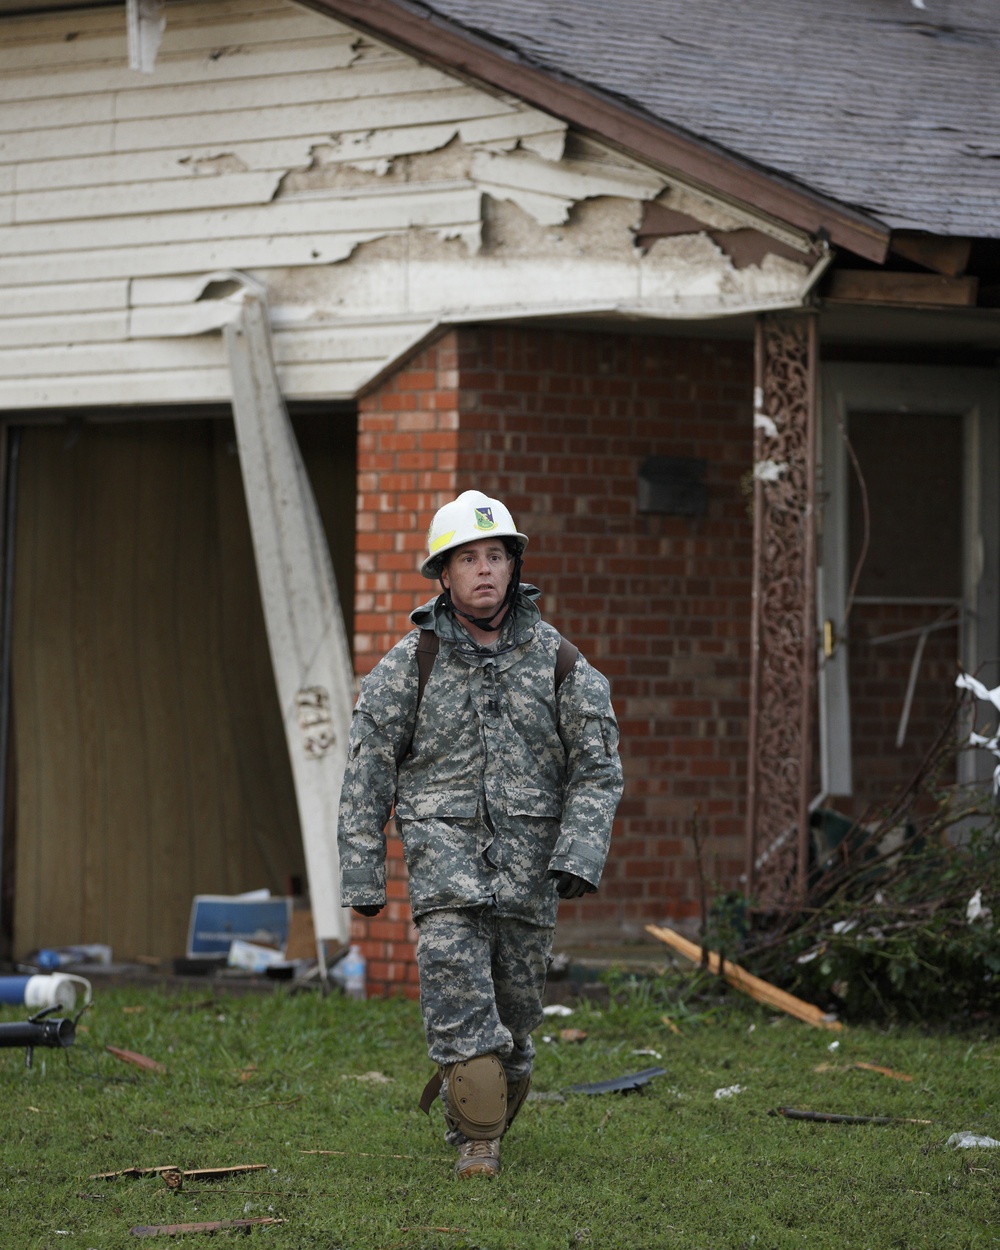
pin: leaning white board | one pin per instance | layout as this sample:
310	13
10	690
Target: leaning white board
305	625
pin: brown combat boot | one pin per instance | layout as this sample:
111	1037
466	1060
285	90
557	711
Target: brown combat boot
478	1158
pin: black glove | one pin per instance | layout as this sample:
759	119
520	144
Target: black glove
569	885
368	909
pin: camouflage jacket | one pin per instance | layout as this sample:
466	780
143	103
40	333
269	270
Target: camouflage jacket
505	777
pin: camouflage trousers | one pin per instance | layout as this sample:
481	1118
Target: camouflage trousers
481	983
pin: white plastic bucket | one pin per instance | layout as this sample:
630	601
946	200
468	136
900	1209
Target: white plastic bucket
43	990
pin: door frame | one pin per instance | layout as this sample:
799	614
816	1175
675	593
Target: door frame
967	392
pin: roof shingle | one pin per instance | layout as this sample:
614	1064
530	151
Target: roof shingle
891	107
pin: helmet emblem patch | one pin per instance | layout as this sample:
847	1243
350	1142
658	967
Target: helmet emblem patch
484	519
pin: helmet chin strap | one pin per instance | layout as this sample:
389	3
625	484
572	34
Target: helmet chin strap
485	623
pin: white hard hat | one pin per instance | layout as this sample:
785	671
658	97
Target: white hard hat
471	516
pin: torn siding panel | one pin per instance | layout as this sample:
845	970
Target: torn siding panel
324	117
548	190
271	90
90	327
63	297
121	170
278	56
315	372
357	185
237	190
445	208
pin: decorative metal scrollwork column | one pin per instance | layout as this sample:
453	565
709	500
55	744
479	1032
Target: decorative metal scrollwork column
783	607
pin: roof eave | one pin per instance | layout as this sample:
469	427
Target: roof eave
627	128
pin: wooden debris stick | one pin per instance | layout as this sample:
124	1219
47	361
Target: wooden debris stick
208	1174
361	1154
874	1067
740	979
834	1117
133	1172
194	1174
139	1061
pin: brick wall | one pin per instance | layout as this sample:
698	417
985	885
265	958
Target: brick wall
407	462
557	424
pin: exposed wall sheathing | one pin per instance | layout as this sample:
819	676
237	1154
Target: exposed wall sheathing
365	190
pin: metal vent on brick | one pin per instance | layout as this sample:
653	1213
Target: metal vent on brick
673	485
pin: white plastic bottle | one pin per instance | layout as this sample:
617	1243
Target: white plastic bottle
354	969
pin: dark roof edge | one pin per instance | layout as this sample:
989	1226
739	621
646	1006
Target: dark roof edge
450	46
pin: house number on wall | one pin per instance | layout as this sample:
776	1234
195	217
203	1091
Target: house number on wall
313	706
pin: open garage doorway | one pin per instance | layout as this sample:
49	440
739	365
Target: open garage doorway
146	757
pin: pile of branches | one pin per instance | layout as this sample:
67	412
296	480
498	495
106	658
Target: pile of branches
898	922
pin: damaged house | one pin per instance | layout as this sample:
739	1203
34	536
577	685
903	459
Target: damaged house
708	294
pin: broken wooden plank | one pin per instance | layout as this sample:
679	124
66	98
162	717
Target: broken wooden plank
207	1174
195	1174
833	1117
946	256
740	979
920	290
305	626
133	1172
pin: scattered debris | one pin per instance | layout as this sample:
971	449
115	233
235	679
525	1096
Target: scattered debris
874	1067
742	980
192	1174
139	1061
832	1117
371	1078
654	1054
427	1228
557	1009
173	1180
865	1067
619	1084
350	1154
671	1026
253	958
730	1091
969	1141
212	1226
273	1102
573	1035
975	910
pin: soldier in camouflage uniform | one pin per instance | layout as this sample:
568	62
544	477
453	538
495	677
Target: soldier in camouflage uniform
505	782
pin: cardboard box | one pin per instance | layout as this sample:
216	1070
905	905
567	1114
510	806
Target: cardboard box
218	920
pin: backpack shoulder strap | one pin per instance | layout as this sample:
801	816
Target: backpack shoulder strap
427	649
565	659
426	653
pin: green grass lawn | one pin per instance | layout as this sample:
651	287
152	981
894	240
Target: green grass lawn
272	1079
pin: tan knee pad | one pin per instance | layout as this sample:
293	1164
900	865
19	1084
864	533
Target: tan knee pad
477	1097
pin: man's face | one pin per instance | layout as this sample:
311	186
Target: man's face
478	574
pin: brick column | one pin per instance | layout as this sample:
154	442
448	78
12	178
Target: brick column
407	459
